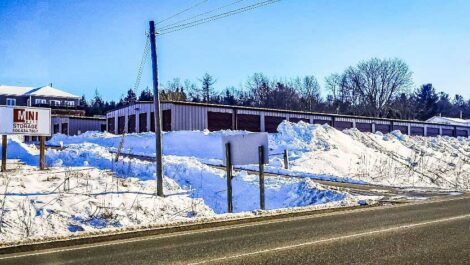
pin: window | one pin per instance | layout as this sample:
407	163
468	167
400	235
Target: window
40	101
70	103
54	102
11	101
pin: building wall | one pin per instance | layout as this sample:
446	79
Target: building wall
20	101
23	100
77	126
187	116
49	99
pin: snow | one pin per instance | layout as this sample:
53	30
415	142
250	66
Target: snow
40	91
449	120
118	195
13	90
108	195
43	204
321	152
50	92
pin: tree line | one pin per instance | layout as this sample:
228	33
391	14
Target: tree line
375	88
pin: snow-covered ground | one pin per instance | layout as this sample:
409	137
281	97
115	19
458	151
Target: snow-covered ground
87	190
322	152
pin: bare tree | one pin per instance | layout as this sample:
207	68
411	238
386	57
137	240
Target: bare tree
259	88
378	82
309	91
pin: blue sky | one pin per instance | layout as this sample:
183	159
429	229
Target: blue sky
84	45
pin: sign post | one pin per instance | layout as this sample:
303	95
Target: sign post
15	120
229	168
286	159
4	153
261	176
42	152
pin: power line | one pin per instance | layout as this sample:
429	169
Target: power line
182	11
147	45
216	17
141	66
201	14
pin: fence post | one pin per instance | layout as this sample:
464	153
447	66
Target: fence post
4	153
261	176
286	159
228	165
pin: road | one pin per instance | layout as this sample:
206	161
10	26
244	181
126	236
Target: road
426	233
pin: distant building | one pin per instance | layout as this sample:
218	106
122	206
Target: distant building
68	117
28	96
76	125
449	121
176	116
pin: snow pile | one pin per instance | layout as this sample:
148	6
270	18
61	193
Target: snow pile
322	152
393	159
16	149
81	193
201	180
201	144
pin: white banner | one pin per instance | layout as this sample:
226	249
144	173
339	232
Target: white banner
25	121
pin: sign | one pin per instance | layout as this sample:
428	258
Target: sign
25	121
244	148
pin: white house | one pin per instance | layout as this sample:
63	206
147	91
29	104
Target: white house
449	121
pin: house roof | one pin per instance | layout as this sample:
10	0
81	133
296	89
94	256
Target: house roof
14	90
448	120
48	91
44	91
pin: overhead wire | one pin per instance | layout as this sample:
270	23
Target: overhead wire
216	17
140	70
147	45
201	14
182	11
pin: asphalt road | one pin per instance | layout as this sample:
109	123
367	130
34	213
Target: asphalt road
429	233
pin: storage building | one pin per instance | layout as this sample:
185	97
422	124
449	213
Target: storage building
176	116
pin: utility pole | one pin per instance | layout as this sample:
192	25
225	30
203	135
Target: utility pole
156	102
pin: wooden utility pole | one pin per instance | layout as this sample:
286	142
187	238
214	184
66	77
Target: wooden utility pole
261	176
42	152
4	153
229	168
156	102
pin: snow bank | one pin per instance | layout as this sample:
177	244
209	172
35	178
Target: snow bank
393	159
201	180
201	144
16	149
322	152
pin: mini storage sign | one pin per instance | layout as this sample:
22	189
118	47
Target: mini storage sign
25	121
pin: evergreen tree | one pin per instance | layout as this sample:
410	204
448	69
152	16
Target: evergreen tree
146	95
207	88
426	102
131	96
